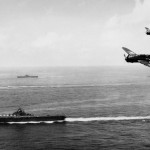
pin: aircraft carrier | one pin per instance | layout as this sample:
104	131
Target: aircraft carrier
20	116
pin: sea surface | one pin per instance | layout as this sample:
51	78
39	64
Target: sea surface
107	108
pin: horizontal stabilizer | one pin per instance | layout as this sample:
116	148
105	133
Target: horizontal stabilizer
129	52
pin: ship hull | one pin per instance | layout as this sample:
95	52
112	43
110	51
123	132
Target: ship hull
29	119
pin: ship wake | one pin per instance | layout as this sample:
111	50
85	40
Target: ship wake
35	122
119	118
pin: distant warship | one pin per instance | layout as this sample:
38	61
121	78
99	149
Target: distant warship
27	76
21	116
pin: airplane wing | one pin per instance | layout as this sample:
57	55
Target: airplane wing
129	52
144	62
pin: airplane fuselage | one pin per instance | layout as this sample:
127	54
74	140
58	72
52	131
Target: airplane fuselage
137	58
148	33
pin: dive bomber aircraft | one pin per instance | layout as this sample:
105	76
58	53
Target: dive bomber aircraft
147	31
136	58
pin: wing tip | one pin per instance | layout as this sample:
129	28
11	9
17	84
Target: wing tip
124	48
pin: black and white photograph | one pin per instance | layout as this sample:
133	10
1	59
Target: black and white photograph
74	74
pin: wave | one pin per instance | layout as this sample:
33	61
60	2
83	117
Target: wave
65	85
119	118
21	86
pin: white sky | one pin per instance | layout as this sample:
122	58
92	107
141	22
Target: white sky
71	32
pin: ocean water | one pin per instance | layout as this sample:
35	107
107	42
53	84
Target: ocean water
106	108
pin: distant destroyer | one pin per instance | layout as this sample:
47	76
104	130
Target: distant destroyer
27	76
20	116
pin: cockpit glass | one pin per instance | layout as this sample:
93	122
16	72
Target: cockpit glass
131	56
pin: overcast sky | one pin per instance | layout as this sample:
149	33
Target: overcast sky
72	32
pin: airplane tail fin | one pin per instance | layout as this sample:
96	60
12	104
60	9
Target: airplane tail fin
128	51
146	28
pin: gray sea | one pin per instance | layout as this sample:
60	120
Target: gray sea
106	107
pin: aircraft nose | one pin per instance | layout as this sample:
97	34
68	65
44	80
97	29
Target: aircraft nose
126	59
